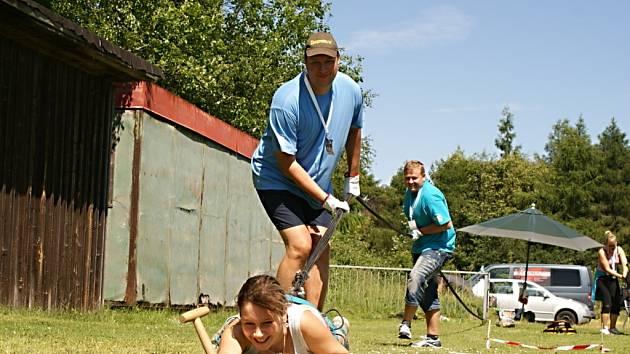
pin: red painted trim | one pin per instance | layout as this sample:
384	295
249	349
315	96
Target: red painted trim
157	100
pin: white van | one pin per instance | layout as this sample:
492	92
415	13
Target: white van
564	280
542	305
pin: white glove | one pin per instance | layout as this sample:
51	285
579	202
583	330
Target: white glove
415	232
351	186
331	204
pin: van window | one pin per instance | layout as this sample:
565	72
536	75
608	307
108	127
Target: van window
501	288
565	277
535	292
499	273
539	275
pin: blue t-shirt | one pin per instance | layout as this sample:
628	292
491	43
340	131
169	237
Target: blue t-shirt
295	128
430	209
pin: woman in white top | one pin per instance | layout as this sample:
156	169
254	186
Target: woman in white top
607	284
270	324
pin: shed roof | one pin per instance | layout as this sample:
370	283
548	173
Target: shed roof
38	27
157	100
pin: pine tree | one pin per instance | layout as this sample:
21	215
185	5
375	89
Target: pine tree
505	140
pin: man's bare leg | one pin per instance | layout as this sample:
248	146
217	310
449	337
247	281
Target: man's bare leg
410	311
298	246
433	322
317	284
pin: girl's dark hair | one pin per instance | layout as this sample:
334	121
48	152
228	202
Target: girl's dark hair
265	291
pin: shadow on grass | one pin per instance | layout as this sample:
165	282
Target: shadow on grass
483	324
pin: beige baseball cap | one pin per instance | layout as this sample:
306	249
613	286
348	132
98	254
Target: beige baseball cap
321	43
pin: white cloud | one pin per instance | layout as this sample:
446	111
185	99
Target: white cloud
457	109
434	26
515	107
520	107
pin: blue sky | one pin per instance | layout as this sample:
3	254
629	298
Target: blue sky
444	70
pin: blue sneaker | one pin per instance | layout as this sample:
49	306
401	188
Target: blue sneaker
615	331
427	343
342	327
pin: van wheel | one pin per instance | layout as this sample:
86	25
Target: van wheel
567	315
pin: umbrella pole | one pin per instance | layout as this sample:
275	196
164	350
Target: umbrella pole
523	297
529	244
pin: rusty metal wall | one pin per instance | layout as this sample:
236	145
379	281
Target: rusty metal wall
55	138
184	219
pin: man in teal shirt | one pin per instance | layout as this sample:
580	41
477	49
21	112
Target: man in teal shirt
427	213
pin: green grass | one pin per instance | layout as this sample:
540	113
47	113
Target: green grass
158	331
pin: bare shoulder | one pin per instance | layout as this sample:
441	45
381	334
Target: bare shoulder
310	320
233	340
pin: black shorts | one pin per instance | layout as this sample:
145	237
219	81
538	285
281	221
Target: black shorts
286	210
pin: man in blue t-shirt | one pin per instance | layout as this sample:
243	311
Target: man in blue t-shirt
313	118
427	213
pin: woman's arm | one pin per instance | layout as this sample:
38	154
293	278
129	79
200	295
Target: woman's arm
318	337
232	340
624	262
603	263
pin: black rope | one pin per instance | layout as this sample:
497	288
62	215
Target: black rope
302	275
458	298
362	201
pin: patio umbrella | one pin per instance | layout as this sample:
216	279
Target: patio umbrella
533	226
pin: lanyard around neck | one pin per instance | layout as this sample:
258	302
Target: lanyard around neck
415	202
319	112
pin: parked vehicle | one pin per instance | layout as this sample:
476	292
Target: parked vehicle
564	280
541	305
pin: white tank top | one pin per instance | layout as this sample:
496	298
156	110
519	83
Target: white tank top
295	312
612	260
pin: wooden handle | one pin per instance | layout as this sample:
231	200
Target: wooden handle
193	314
203	336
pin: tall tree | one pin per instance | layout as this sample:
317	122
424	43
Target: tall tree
226	56
574	161
479	188
505	140
613	187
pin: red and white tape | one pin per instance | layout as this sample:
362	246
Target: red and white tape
558	348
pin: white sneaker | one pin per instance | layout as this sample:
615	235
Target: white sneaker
404	331
604	331
427	343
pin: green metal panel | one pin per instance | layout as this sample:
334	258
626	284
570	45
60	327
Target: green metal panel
201	226
238	220
213	226
157	199
184	242
259	245
117	240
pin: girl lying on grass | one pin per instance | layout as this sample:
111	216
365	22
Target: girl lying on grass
269	323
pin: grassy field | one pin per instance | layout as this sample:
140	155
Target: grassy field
158	331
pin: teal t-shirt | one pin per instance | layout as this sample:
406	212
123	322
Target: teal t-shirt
431	208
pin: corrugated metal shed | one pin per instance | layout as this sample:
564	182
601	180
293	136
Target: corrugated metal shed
185	218
56	111
33	25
